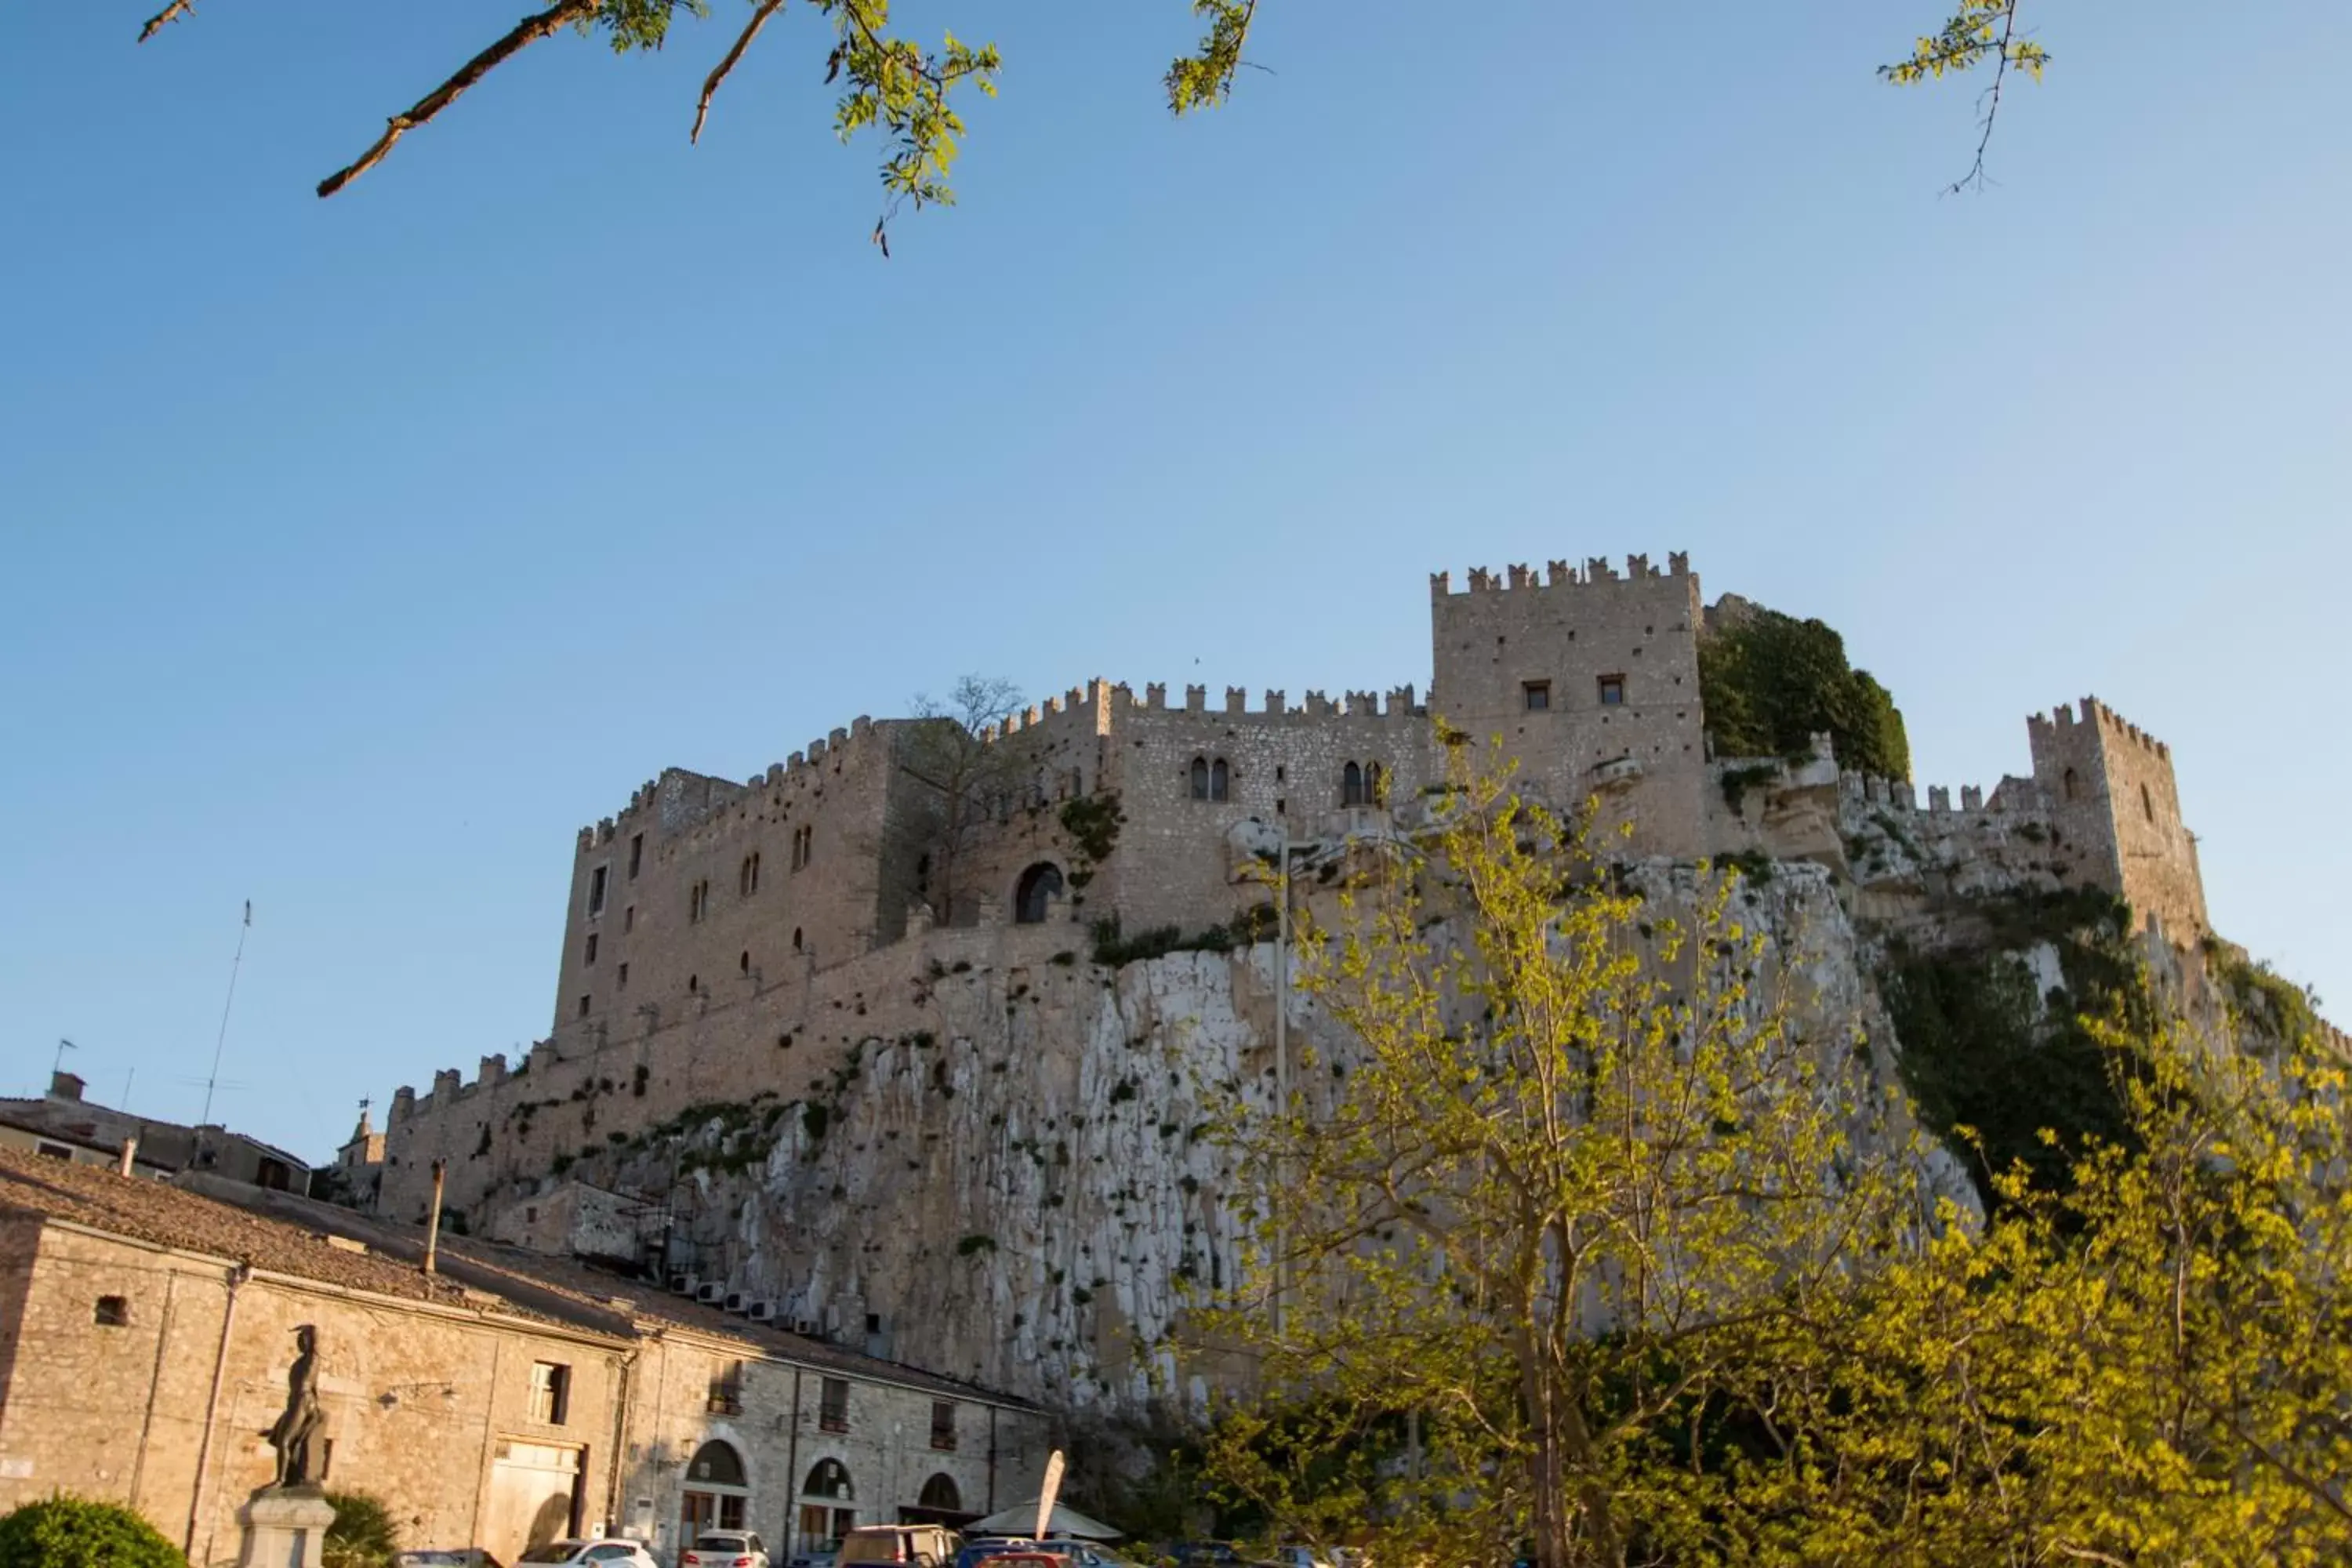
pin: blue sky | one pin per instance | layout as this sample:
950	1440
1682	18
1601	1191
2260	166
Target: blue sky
359	552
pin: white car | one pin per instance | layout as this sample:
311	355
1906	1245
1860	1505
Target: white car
725	1549
605	1551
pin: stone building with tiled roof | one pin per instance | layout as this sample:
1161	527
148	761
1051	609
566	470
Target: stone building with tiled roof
146	1330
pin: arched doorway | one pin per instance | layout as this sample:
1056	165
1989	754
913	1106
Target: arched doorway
828	1508
1034	895
717	1495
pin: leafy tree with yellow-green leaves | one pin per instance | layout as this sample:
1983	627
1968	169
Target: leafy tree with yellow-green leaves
1578	1245
1528	1233
908	92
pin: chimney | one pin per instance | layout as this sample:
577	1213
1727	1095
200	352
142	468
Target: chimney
129	1152
64	1086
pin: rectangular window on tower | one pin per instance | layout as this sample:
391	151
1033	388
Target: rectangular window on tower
637	854
1612	692
590	956
596	892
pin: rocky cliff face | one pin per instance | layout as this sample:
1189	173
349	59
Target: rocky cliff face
1020	1191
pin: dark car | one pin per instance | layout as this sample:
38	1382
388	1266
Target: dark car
973	1553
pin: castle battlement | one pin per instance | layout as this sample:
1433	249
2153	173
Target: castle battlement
1901	794
1597	571
2061	721
668	797
1397	702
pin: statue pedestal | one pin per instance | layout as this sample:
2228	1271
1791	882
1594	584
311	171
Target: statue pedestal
285	1527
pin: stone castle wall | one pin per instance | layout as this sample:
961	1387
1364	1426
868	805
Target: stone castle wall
780	986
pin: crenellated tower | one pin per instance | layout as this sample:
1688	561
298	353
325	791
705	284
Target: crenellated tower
2113	801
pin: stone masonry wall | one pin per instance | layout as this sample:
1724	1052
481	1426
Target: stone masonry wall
1574	637
416	1399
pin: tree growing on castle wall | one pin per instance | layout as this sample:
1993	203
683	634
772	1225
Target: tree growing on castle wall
958	779
908	94
1770	683
1576	1167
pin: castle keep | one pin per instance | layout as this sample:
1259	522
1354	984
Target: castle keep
726	941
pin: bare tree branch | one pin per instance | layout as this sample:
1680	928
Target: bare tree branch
527	31
759	16
165	18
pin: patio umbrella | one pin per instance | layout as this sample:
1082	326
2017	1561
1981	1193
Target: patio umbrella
1022	1518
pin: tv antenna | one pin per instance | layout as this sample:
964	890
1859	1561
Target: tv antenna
58	1065
221	1040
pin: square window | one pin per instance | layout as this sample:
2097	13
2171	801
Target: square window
1536	696
1612	692
113	1312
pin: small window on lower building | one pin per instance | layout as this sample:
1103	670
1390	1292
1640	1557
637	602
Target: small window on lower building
53	1150
1536	696
833	1411
1612	692
621	978
584	1006
113	1312
943	1426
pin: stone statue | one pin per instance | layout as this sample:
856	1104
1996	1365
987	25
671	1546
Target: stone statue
292	1432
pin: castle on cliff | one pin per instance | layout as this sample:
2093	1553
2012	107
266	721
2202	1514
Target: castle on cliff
722	938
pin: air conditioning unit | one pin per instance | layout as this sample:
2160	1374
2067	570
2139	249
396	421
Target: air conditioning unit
802	1326
737	1301
681	1284
763	1312
710	1292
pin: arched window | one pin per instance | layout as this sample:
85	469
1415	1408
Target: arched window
827	1511
829	1479
2071	784
1199	778
1351	785
940	1492
718	1465
717	1493
1219	777
2147	803
1038	887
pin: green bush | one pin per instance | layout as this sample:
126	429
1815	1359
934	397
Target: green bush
73	1532
1770	682
362	1535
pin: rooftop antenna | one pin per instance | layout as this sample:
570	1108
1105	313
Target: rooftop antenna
58	1065
221	1040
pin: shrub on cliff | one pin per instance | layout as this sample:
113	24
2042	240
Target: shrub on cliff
75	1532
1771	683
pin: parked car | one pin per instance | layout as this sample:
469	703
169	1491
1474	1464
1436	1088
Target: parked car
816	1557
975	1552
446	1557
1206	1555
605	1551
725	1549
906	1546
